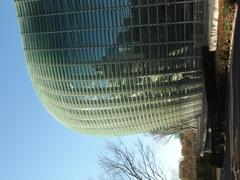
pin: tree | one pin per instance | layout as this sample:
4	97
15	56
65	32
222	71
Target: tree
121	163
164	135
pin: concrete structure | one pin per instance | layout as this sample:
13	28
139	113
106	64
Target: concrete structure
213	24
114	67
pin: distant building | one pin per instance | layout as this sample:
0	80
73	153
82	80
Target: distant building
112	67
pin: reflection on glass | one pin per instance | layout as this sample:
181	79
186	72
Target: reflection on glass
114	67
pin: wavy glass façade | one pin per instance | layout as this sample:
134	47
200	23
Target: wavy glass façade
112	67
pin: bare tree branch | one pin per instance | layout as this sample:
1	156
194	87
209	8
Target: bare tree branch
166	134
140	165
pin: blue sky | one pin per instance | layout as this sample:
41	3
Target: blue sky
34	146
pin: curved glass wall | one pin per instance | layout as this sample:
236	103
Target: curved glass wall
110	67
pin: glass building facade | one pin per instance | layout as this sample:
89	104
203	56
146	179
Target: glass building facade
112	67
